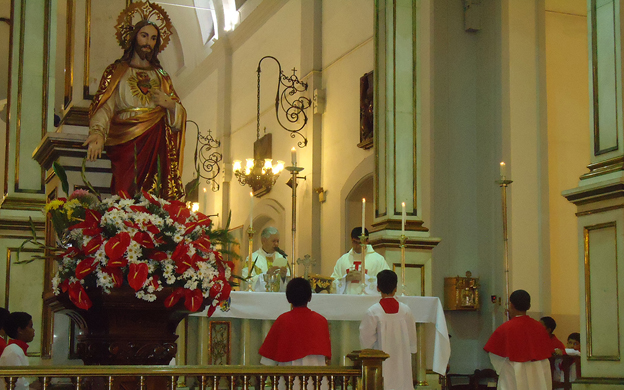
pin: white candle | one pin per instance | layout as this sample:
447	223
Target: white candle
251	210
403	219
502	170
205	201
363	214
293	156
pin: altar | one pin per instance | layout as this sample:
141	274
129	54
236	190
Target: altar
250	316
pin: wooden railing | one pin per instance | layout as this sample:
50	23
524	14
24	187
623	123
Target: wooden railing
365	374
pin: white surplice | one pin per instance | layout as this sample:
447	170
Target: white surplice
310	360
395	334
262	259
374	264
13	355
522	376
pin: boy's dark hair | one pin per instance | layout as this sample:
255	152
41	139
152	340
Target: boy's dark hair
521	300
4	314
387	281
549	322
298	292
16	320
357	232
575	336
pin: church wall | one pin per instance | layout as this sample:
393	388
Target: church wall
568	145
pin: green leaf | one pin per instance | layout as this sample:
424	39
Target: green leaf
62	175
32	228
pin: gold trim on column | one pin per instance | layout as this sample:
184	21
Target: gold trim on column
87	52
422	274
20	79
414	211
8	105
69	53
394	100
46	67
596	103
376	94
588	320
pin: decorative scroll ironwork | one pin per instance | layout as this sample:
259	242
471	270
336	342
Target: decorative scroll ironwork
292	106
206	158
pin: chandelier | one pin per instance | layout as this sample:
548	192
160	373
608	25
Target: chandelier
259	174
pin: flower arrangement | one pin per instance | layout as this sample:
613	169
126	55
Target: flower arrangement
146	242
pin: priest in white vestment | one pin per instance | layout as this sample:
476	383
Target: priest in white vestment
519	349
347	272
267	261
390	326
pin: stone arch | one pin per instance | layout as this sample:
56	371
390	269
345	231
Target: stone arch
358	185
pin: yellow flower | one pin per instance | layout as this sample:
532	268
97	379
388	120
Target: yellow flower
70	206
53	205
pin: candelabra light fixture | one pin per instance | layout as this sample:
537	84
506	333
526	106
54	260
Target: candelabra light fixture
259	174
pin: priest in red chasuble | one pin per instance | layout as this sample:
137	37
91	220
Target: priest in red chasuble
136	115
519	349
299	337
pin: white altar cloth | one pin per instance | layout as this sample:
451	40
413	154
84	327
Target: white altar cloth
337	307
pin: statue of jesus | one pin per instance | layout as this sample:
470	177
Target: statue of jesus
136	115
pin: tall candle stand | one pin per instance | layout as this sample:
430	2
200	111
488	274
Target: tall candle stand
403	240
504	183
250	234
363	247
294	171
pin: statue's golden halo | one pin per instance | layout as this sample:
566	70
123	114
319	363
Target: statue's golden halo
136	12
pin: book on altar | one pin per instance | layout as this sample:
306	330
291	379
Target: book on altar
280	262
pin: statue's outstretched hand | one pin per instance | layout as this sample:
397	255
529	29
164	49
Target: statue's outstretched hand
162	99
95	144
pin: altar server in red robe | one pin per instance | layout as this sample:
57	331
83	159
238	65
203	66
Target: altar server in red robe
519	349
390	326
299	337
550	324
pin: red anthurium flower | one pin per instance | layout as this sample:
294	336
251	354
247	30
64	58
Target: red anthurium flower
190	227
158	255
150	227
144	239
179	251
93	231
203	220
131	224
72	251
220	286
64	285
85	267
154	282
78	296
137	275
123	194
92	220
116	274
211	310
175	296
203	244
178	211
150	198
183	263
118	263
193	299
139	209
93	245
116	246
